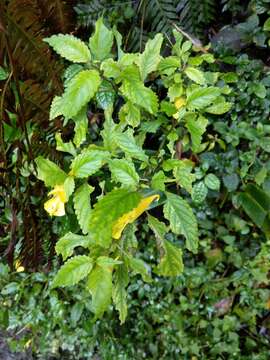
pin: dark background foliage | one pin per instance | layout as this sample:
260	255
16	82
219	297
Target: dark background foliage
219	307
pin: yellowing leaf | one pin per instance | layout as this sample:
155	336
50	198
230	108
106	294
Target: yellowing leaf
131	216
179	102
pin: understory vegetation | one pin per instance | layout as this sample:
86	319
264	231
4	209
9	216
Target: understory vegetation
135	179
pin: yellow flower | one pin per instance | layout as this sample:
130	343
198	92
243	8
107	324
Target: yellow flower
179	102
56	205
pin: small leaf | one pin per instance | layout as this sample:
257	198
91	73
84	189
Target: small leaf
131	114
105	95
158	181
66	244
218	108
99	284
119	293
69	47
88	162
49	172
123	171
195	75
127	143
183	176
158	227
74	270
67	147
81	126
212	182
101	42
131	216
149	59
139	267
196	128
171	263
182	220
107	261
82	206
199	192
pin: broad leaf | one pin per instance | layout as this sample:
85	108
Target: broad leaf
99	284
127	143
183	175
196	128
67	147
202	97
74	270
49	172
107	210
171	263
199	192
81	126
69	47
182	220
119	293
131	114
82	206
149	59
131	216
79	91
101	42
123	171
195	75
158	228
158	181
66	244
88	162
139	267
212	182
105	95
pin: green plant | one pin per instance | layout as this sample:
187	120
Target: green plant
154	110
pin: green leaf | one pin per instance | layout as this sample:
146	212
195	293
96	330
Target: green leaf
99	284
66	244
195	75
158	228
69	186
266	25
212	182
74	270
123	171
101	42
105	95
131	114
139	267
49	172
127	143
199	192
202	97
79	91
149	59
107	261
171	263
219	107
56	108
182	220
119	293
69	47
88	162
3	74
168	65
196	128
107	210
82	206
183	175
67	147
81	126
111	69
158	181
135	91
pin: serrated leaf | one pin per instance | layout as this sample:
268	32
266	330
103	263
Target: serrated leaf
212	182
107	261
81	126
119	293
158	181
182	220
127	143
67	243
111	69
107	210
183	175
219	107
69	186
199	192
131	216
168	65
99	284
69	47
79	91
49	172
195	75
139	267
74	270
56	108
105	95
101	41
202	97
88	162
82	206
67	147
131	114
171	263
158	228
123	171
148	61
196	128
